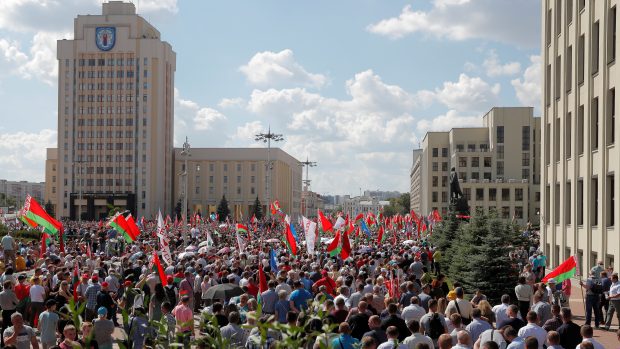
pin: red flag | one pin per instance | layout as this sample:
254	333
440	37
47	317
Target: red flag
89	253
133	228
262	280
160	270
333	246
326	224
290	240
44	238
346	246
380	236
436	216
76	281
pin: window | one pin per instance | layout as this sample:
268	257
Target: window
210	179
479	194
518	194
569	11
525	173
548	86
500	134
580	130
475	175
471	148
444	166
238	190
558	17
595	47
556	140
225	167
238	167
548	28
238	179
518	212
500	151
492	194
558	77
444	196
594	202
197	190
505	194
252	191
594	124
435	181
484	147
582	6
569	69
253	167
467	193
475	161
500	168
435	196
580	59
525	159
567	136
611	116
579	201
525	138
460	147
487	176
567	203
444	152
463	176
487	162
435	166
462	162
611	35
505	212
611	200
225	179
211	167
444	181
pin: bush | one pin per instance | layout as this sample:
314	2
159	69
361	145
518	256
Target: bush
28	234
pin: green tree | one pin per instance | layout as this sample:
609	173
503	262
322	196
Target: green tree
405	203
222	209
257	209
444	234
480	251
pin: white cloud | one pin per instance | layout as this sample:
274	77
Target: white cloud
528	88
231	103
447	121
279	69
468	94
249	130
157	5
206	118
190	117
22	154
495	68
505	21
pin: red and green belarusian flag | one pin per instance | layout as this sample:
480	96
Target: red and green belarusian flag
564	271
35	214
119	224
242	228
334	248
290	241
326	224
133	227
382	235
160	269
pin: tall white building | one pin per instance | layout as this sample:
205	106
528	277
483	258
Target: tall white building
580	158
115	117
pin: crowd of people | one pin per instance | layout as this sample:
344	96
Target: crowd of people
383	295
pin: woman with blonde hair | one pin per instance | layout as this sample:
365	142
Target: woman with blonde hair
487	311
442	304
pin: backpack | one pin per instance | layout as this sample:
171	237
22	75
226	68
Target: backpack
171	295
597	286
436	326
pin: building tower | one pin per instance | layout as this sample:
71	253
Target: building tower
115	116
579	158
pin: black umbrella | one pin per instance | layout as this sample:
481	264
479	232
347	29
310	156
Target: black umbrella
223	291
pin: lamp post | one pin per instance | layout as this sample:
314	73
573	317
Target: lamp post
268	138
186	153
306	182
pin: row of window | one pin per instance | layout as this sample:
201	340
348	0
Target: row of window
225	191
102	86
582	127
106	158
110	74
225	179
105	110
107	98
104	146
109	62
482	194
593	202
105	122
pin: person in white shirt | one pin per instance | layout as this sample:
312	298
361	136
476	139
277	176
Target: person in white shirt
587	333
413	311
392	342
460	306
491	335
614	301
553	339
416	337
533	330
500	310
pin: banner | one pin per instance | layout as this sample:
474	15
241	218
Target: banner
164	240
310	232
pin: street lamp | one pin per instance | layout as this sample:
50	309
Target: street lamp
306	182
186	153
268	138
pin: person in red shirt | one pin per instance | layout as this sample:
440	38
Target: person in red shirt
329	283
22	291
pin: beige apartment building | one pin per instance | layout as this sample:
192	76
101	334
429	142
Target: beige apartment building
580	158
496	165
115	117
18	190
311	202
241	175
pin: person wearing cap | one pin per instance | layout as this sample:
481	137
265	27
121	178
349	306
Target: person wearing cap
172	292
48	322
329	283
91	298
103	329
104	299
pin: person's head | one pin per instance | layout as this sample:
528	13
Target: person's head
374	322
217	307
456	320
463	337
234	317
586	345
392	332
414	326
476	313
510	333
368	343
587	331
102	312
340	303
531	343
522	279
489	345
50	305
512	311
432	305
415	300
553	338
538	296
459	292
166	307
444	341
392	309
17	319
70	332
291	317
282	295
566	314
344	328
86	328
185	300
555	310
614	277
532	317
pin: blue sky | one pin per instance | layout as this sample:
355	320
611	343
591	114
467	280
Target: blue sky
353	85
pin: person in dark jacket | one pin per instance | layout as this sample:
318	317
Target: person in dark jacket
570	336
393	320
104	299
